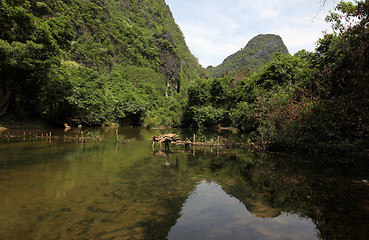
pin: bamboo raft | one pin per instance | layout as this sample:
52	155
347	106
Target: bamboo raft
175	140
34	136
49	136
166	139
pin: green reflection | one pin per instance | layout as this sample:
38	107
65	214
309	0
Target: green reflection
107	190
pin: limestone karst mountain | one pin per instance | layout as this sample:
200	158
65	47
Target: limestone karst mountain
258	51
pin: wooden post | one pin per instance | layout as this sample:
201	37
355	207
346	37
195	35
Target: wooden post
116	133
166	144
218	141
194	138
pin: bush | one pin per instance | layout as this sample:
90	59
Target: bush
242	117
207	116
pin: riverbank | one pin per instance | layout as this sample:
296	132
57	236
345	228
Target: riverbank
9	123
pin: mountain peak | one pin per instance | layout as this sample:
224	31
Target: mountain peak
258	51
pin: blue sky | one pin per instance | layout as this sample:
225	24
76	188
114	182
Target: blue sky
215	29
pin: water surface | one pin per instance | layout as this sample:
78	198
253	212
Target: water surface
211	213
56	189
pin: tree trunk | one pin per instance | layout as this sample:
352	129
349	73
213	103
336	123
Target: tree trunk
4	96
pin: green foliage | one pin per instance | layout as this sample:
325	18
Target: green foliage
115	61
284	69
131	93
142	77
280	115
258	52
73	92
28	51
207	116
242	117
316	99
199	93
168	113
96	61
128	95
220	92
208	102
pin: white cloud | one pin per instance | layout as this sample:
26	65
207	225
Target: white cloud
209	42
214	29
268	14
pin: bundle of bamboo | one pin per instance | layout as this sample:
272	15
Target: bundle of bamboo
166	138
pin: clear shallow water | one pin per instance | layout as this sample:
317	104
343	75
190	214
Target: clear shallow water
108	190
211	213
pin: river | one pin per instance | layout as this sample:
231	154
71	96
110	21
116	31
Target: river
104	189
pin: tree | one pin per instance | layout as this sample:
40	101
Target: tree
27	51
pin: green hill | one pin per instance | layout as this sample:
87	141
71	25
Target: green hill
92	60
258	51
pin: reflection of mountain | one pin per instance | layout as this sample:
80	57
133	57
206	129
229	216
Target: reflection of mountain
210	213
104	190
252	200
318	190
182	173
228	177
337	205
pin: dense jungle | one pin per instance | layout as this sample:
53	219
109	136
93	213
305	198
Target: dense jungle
266	145
99	62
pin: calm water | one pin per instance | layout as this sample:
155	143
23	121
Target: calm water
106	190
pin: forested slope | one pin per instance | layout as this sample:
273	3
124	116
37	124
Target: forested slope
92	60
103	61
310	101
258	52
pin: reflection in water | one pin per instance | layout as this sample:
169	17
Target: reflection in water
109	190
210	213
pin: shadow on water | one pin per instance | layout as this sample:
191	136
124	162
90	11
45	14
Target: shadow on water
107	190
